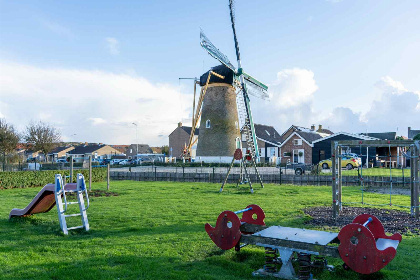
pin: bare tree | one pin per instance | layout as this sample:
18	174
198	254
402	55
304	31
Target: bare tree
9	138
42	136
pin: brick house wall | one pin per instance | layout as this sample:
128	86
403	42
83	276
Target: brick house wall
178	139
289	146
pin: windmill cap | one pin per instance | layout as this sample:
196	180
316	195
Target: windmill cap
221	70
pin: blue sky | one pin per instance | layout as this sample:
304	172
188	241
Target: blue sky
336	59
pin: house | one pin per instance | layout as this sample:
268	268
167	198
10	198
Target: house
297	147
157	150
297	141
32	154
383	153
412	133
178	140
268	140
59	152
321	148
120	148
321	131
135	149
81	153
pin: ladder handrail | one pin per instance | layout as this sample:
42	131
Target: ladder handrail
59	188
81	186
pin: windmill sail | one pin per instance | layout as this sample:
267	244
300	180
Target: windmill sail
215	52
255	87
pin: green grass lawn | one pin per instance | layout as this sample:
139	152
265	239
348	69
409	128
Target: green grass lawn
379	172
155	230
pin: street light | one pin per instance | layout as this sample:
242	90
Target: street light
137	150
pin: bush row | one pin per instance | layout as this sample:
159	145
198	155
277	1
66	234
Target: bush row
25	179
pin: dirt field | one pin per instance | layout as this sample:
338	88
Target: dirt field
393	220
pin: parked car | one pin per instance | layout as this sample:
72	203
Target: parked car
123	162
115	161
346	161
61	160
134	161
299	168
353	155
105	161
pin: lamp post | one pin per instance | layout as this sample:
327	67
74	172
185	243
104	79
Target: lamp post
137	142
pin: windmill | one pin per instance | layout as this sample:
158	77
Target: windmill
245	84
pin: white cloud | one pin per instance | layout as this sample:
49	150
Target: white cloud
396	108
293	87
387	84
291	100
57	28
293	93
113	45
97	121
97	106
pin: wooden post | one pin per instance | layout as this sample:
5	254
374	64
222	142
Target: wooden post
90	173
412	184
334	186
340	179
107	177
416	182
71	169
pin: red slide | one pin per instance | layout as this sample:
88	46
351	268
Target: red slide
43	202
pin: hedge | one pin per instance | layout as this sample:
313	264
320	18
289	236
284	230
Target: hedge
25	179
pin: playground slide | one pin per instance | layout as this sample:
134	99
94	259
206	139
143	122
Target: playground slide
43	202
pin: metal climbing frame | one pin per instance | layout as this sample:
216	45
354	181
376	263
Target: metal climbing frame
337	179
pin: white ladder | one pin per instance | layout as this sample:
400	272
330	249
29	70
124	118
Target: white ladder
60	193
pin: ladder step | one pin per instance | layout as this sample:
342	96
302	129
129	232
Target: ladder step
72	202
70	228
72	215
71	191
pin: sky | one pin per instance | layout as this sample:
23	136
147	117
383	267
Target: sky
93	68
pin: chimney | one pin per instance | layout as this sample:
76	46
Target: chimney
320	127
313	127
409	130
179	124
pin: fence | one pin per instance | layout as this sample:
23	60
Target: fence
268	175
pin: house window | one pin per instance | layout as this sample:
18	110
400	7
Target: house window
287	154
297	142
273	151
208	124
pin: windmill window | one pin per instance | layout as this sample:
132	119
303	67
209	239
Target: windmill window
238	143
208	124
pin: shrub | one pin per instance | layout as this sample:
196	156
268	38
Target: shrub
25	179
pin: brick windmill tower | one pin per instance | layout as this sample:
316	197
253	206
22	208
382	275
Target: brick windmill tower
219	126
